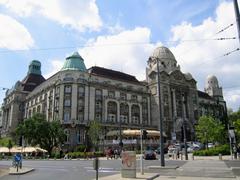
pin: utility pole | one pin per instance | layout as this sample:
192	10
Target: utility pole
141	162
161	117
236	9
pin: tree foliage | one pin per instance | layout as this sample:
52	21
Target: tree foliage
210	130
6	142
94	132
234	118
37	131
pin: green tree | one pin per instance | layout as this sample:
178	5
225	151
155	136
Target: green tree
210	130
37	131
9	145
5	141
234	119
94	132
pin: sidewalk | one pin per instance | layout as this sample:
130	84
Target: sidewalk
3	172
23	170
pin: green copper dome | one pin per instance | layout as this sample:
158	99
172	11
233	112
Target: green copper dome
74	62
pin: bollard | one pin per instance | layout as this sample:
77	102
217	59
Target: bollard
181	156
192	157
238	155
220	156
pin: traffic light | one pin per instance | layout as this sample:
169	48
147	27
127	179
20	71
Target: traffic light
144	135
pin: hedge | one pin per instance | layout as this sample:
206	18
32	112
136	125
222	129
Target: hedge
224	150
88	154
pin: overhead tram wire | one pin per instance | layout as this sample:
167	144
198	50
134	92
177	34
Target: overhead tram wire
224	29
210	60
115	44
220	31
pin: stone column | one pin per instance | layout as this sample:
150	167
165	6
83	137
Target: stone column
118	112
74	102
149	111
174	109
130	113
141	120
61	105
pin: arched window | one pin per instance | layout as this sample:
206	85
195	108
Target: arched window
67	137
124	113
112	111
135	114
78	136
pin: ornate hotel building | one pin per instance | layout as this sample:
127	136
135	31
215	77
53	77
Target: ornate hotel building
76	95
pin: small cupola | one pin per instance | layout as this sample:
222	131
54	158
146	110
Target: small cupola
34	67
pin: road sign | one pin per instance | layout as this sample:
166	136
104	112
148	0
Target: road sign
18	157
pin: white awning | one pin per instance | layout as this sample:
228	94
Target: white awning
135	132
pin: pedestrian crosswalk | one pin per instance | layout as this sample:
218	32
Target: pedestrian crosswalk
103	170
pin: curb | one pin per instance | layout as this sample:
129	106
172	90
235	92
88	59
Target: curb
163	167
153	177
23	172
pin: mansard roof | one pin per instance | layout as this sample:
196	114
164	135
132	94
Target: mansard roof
31	81
108	73
204	95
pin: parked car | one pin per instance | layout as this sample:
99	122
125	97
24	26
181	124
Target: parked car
149	155
158	150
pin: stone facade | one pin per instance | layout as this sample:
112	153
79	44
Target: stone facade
76	95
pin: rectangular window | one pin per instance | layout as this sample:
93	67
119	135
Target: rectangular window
123	96
111	94
80	116
98	92
81	91
98	117
123	118
78	136
67	102
134	97
66	116
111	117
68	89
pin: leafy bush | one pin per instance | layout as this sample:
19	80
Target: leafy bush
88	154
224	150
80	148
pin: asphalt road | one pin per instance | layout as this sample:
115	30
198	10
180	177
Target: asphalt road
235	166
73	169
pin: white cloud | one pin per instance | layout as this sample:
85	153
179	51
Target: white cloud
55	66
80	15
119	51
14	35
202	58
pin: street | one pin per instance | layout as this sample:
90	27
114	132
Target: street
83	169
73	169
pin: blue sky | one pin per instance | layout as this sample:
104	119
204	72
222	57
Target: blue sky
120	35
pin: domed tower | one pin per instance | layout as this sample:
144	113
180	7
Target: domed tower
212	88
166	59
74	62
34	76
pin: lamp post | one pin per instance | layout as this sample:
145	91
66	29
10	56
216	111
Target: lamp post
184	127
160	117
120	133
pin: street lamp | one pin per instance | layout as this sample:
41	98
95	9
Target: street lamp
184	126
160	117
120	133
